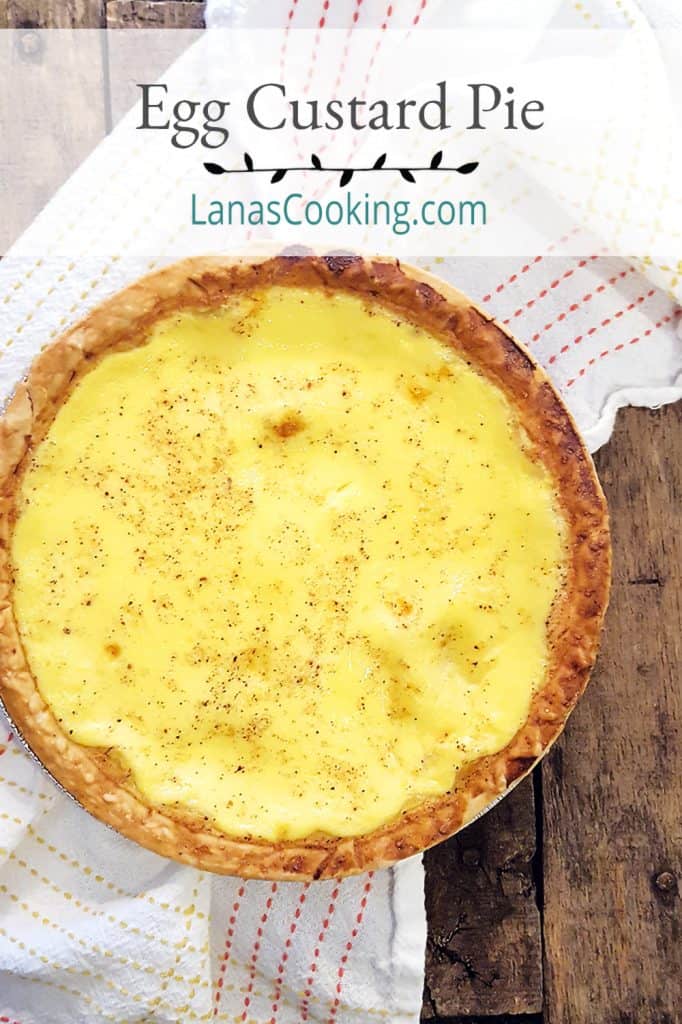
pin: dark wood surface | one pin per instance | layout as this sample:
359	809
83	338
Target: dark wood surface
562	905
612	807
589	886
484	951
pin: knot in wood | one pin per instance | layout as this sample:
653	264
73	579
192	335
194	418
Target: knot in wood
666	882
471	858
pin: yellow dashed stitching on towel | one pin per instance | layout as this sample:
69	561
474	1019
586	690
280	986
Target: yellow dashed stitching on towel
85	972
172	971
28	274
91	874
101	879
586	15
89	947
92	912
12	818
611	216
622	7
54	984
675	275
584	172
23	789
623	217
102	273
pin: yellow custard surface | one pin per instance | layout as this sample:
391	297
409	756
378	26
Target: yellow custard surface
292	559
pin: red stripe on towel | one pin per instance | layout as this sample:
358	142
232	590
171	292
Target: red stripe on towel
618	348
604	323
341	970
225	959
553	284
255	950
581	302
316	952
528	266
281	966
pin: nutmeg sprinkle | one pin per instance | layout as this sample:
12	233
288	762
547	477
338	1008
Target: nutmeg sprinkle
292	561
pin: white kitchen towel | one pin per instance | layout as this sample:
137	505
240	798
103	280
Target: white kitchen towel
93	928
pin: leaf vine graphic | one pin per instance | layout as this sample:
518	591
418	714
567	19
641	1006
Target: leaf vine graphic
346	173
466	168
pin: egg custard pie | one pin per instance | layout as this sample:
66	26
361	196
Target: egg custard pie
303	563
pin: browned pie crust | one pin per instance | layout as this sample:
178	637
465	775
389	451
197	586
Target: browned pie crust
94	778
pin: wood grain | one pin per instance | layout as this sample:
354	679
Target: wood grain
135	57
55	13
154	14
611	786
46	132
484	949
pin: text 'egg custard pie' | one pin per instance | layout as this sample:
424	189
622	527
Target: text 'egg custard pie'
303	563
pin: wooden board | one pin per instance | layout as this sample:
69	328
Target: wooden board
155	14
135	57
55	13
101	14
484	948
50	131
612	803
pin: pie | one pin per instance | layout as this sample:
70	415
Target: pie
303	563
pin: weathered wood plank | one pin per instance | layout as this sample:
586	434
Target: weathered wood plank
46	132
154	14
506	1018
611	786
484	949
55	13
138	57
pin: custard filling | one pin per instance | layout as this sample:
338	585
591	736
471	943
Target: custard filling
292	560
